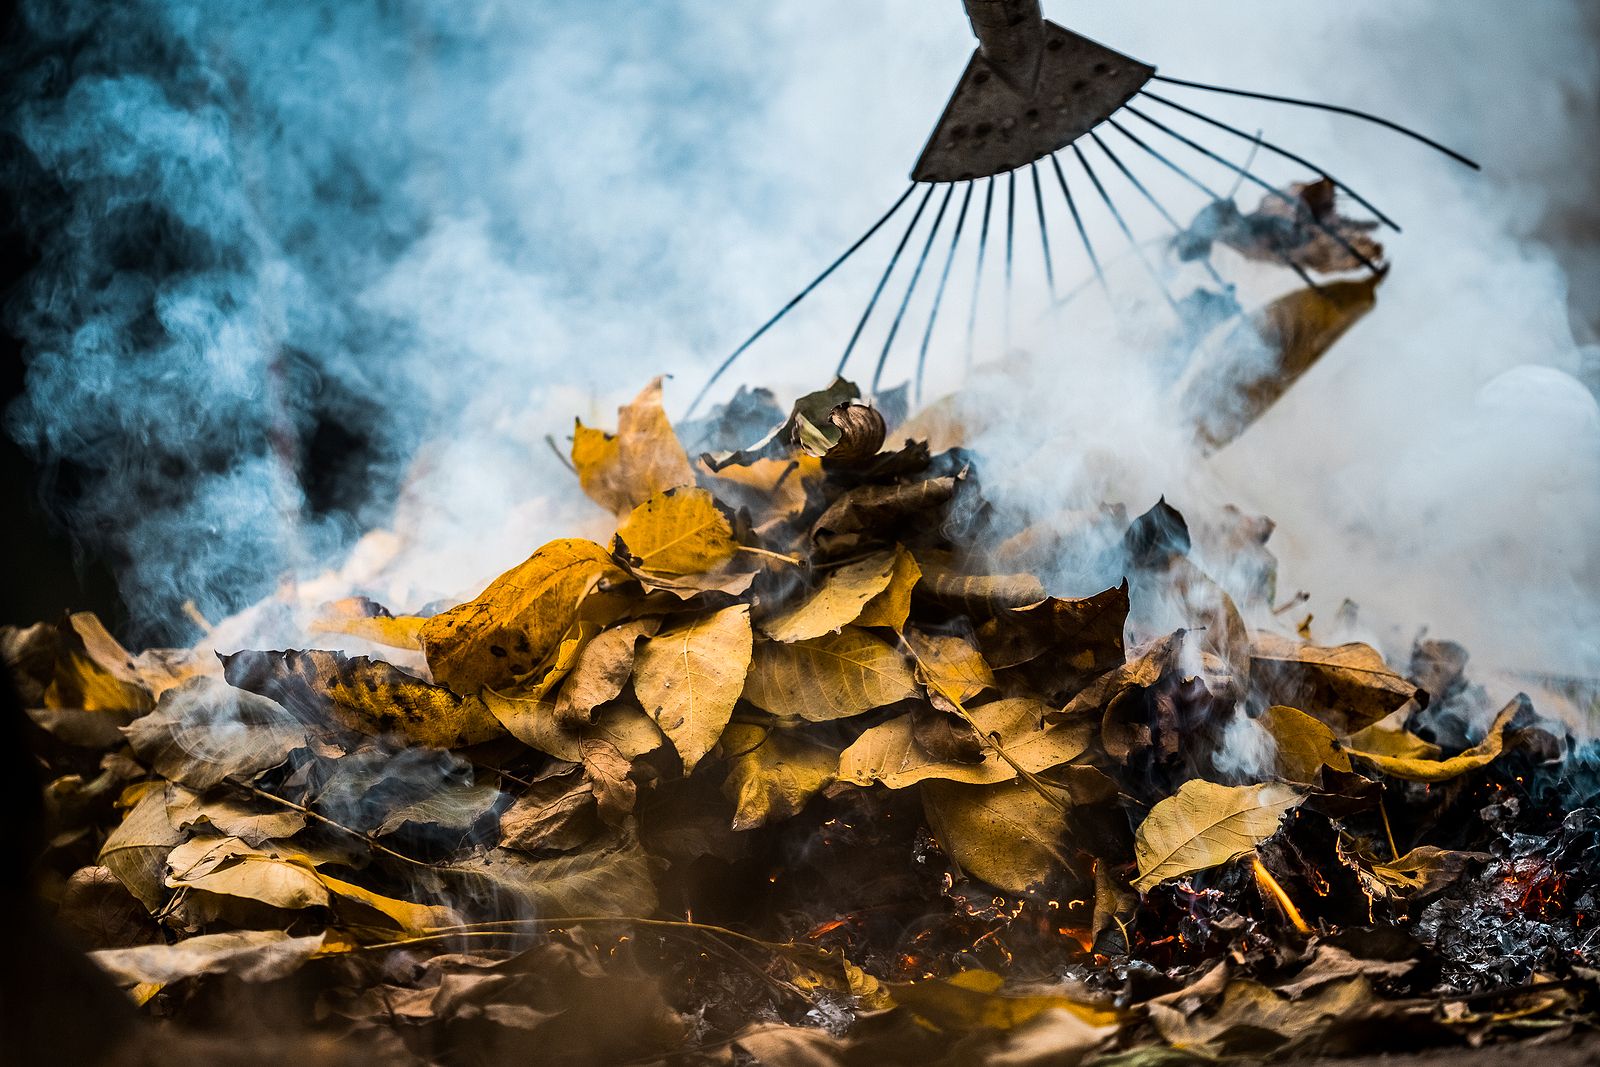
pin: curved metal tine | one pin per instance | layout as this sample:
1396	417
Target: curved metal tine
1211	193
916	276
1044	232
728	363
1257	139
1270	189
1149	196
977	274
1083	234
883	281
1011	244
1122	224
938	296
1321	106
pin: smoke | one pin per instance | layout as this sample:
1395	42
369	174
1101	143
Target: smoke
311	269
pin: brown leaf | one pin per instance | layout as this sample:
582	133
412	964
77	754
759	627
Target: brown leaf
1304	745
1205	825
499	638
250	955
556	814
952	669
136	851
836	602
1424	870
980	596
1258	1018
888	755
772	773
1008	835
367	696
1348	687
231	816
602	669
780	1045
1428	770
832	677
621	471
1061	643
228	867
850	435
205	731
874	514
690	678
614	879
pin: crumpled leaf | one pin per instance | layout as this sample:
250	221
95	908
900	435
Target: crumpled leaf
772	773
1252	1017
504	634
602	669
1424	870
1304	745
136	851
1348	687
850	434
1427	770
231	816
205	731
973	1000
365	695
644	457
689	679
1008	835
556	814
1059	644
228	867
1205	825
952	669
831	677
249	955
674	534
980	596
359	617
875	514
838	601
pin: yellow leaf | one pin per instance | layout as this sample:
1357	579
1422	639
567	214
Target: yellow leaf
1205	825
534	723
1424	869
364	695
497	639
836	603
228	867
972	1000
678	532
644	457
949	666
1017	725
1007	835
772	773
1427	770
1304	745
830	677
360	617
892	607
690	678
888	755
601	671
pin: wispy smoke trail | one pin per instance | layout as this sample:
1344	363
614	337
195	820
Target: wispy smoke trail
411	238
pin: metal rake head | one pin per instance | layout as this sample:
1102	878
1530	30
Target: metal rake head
1033	93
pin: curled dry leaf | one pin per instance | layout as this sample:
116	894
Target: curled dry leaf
689	679
838	601
367	696
644	457
1303	745
1205	825
874	514
359	617
892	607
136	851
1414	769
602	670
979	596
497	639
772	773
250	955
852	435
1008	835
1348	687
1272	1019
830	677
205	731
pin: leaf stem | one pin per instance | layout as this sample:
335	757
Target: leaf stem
790	560
1387	830
324	820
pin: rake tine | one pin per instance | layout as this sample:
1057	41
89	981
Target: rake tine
1011	236
938	297
1083	234
790	306
1271	191
1335	108
1122	224
977	274
1285	153
883	281
1044	232
916	276
1149	196
1206	189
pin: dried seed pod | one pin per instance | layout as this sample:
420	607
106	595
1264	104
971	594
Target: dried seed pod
861	433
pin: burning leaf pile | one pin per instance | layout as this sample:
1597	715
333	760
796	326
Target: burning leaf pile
806	766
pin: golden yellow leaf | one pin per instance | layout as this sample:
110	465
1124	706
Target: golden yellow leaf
972	1000
534	722
500	637
888	755
1348	687
1252	1011
830	677
93	672
1304	745
951	668
772	773
1424	869
407	917
678	532
360	617
1017	725
892	607
1414	769
644	457
690	678
364	695
1205	825
1008	835
835	603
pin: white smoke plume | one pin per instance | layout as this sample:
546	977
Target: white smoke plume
419	236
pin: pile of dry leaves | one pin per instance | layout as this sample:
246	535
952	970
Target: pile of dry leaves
806	766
